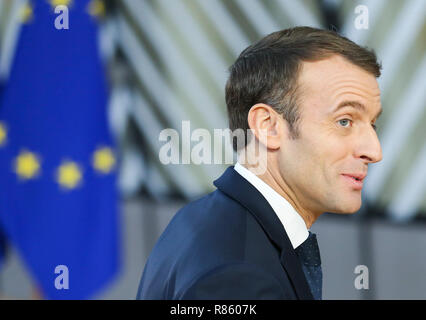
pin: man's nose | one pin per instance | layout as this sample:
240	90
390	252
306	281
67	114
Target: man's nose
369	148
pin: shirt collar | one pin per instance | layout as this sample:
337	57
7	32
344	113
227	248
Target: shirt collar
293	223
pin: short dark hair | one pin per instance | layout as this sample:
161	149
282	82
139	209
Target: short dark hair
267	71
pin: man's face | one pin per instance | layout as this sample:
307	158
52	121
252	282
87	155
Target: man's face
339	105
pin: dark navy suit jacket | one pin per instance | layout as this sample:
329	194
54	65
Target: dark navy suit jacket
229	244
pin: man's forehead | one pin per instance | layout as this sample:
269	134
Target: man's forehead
331	84
334	78
359	106
334	67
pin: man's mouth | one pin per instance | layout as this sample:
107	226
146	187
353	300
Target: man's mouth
355	179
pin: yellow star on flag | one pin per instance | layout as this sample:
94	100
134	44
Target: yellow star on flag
69	175
27	165
3	134
26	13
96	8
55	3
103	160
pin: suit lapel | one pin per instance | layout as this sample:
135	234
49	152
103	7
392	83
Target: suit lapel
242	191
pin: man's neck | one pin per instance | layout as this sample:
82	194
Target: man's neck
279	185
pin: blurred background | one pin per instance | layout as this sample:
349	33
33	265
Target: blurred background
86	87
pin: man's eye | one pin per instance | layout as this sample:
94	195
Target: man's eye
374	126
345	123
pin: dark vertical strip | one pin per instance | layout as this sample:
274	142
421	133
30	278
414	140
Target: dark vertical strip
366	249
330	15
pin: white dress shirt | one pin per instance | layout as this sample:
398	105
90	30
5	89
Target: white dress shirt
293	223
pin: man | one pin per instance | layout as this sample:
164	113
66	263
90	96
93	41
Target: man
311	99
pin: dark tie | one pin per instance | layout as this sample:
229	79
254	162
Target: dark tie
309	256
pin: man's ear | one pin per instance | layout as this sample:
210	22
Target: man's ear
267	125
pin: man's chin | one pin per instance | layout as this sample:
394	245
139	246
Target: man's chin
348	208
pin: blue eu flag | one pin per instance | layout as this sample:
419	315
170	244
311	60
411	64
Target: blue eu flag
58	197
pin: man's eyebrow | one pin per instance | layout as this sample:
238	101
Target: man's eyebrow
356	105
